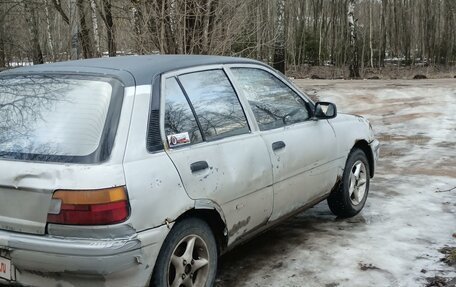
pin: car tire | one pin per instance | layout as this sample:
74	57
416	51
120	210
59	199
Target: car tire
189	252
349	198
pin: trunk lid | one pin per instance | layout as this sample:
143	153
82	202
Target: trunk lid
25	196
24	210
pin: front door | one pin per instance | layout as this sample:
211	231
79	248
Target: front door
302	150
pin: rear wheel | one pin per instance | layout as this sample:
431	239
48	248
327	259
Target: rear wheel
349	199
188	257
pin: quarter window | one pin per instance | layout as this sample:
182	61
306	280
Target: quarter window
215	103
180	124
273	103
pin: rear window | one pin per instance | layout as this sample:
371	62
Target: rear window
57	118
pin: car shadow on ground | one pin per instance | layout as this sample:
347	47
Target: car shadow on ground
273	249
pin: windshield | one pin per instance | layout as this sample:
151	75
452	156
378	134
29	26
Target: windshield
52	118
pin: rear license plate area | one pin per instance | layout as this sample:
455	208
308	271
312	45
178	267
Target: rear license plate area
6	268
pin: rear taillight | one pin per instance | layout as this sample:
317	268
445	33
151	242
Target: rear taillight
89	207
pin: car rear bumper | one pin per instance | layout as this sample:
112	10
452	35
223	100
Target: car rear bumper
47	260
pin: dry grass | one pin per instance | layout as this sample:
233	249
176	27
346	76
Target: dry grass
450	255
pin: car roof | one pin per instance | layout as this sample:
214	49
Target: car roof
141	68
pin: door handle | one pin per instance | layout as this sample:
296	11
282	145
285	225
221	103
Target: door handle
199	165
278	145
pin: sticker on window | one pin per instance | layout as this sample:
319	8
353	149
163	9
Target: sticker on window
178	139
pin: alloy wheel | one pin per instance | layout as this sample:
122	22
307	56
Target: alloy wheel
357	184
189	264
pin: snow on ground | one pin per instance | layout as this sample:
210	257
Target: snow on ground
395	240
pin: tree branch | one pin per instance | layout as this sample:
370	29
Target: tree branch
446	190
58	7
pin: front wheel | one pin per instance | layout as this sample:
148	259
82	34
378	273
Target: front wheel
350	197
188	257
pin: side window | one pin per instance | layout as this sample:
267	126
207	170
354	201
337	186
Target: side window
273	103
216	104
180	124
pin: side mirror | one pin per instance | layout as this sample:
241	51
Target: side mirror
325	110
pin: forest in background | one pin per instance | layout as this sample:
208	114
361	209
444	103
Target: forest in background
296	34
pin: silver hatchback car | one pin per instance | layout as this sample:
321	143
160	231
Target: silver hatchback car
142	170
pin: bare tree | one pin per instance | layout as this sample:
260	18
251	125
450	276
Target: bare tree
279	45
291	34
354	63
96	35
106	15
58	7
84	36
384	30
371	46
74	31
32	21
48	30
2	36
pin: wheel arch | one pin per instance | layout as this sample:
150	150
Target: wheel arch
210	213
365	147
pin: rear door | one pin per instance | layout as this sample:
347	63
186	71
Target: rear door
302	150
210	142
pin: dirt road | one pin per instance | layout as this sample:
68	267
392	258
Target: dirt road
410	213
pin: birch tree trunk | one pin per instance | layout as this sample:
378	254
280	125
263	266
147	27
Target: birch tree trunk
96	35
370	37
320	40
354	63
279	44
48	30
363	50
184	29
333	37
258	33
137	28
170	35
383	37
